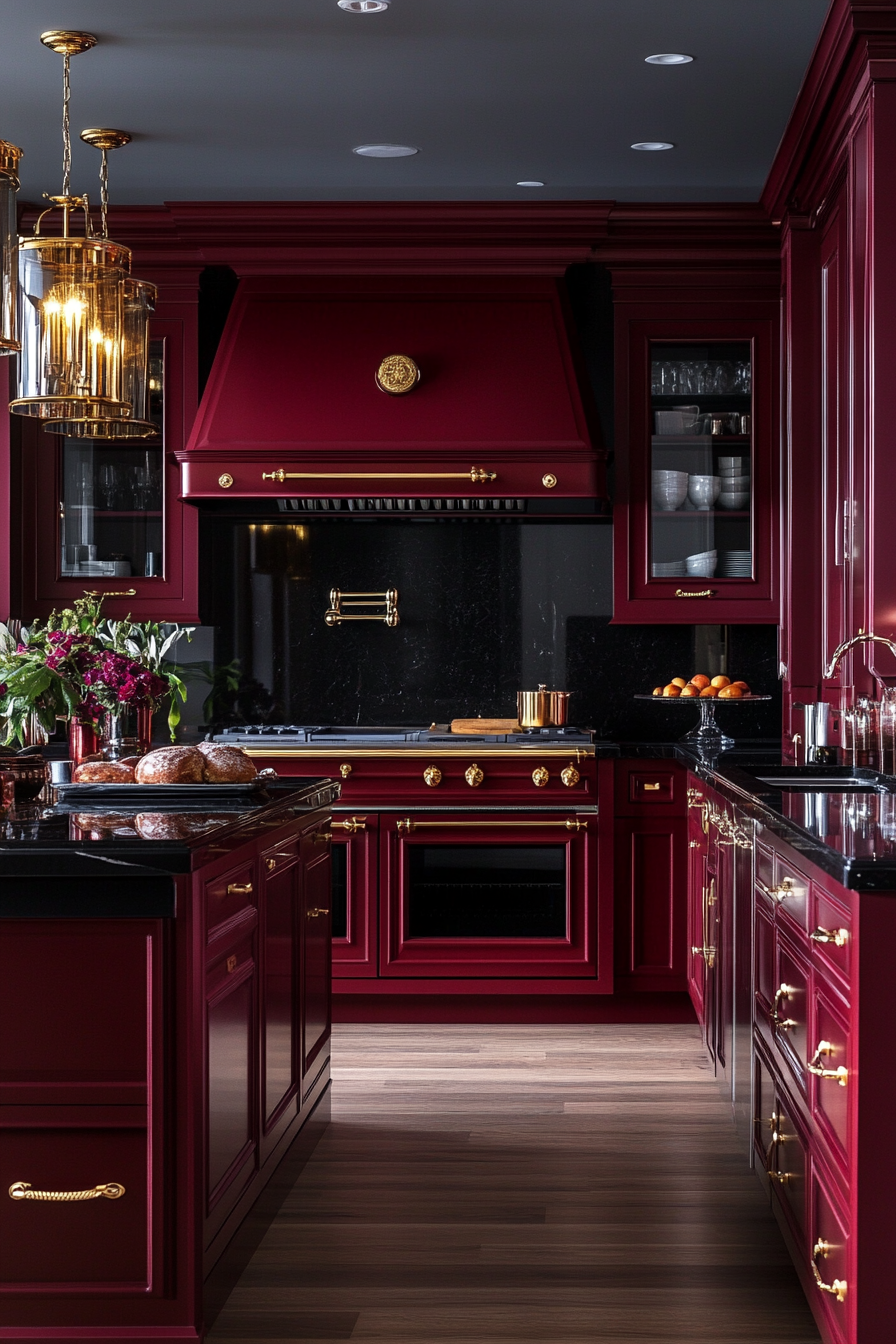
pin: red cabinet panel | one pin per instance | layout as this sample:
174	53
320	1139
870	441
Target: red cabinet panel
830	1050
279	1053
231	1102
355	860
651	903
316	990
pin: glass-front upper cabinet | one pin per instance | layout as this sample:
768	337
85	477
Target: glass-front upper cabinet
111	509
695	527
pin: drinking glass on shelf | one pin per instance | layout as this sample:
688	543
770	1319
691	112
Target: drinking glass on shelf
887	719
107	486
742	378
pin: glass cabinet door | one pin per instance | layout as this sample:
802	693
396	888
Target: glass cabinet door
111	507
701	505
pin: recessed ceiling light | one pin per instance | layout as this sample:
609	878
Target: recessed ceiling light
385	151
363	6
531	183
663	57
652	145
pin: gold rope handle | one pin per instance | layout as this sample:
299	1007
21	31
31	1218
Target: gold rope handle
838	1287
814	1065
123	592
22	1190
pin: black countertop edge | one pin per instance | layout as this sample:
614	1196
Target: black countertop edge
766	750
731	780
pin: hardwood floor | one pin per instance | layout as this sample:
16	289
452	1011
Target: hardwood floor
522	1183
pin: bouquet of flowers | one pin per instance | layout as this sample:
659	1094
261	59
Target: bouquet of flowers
80	666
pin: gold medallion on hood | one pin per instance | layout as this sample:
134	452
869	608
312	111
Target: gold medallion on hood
397	374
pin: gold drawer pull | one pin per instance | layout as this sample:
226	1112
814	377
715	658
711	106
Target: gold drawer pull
708	954
318	910
694	797
570	776
409	824
239	888
474	775
119	592
651	788
839	937
345	770
231	964
778	1022
779	893
23	1190
270	864
704	592
838	1287
352	826
540	777
476	475
771	1153
432	776
815	1065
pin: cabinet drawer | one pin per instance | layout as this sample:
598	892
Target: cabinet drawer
647	785
830	934
99	1242
765	875
225	896
274	860
788	1019
829	1054
828	1256
786	1162
791	893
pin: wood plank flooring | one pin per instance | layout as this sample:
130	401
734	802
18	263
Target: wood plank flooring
511	1184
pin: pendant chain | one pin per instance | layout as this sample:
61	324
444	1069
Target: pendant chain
104	192
66	128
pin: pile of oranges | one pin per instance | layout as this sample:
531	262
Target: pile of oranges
704	688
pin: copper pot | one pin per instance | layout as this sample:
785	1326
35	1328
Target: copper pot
532	708
558	708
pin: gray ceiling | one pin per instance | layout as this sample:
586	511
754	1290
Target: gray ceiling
264	100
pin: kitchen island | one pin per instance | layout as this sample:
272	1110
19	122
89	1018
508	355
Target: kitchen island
165	1001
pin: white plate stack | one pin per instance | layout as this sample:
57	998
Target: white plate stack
736	565
668	569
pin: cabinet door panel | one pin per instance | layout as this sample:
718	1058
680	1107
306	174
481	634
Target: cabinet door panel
651	897
231	1096
354	897
828	1250
830	1100
316	959
787	1165
281	893
100	1243
790	1010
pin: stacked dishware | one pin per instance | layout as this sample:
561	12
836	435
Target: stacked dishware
668	569
677	420
703	564
735	478
736	565
670	489
703	491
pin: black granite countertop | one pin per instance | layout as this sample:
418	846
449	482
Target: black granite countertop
71	859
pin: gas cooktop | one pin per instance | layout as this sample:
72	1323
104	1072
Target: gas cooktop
438	734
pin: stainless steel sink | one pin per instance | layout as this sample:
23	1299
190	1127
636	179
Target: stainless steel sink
824	779
837	783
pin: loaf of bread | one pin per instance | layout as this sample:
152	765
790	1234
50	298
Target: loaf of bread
171	765
174	825
100	825
104	772
226	765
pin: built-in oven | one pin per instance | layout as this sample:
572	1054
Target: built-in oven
488	894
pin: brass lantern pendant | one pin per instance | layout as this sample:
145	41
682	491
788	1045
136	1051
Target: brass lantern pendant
9	185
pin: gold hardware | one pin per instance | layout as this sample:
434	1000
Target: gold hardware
345	770
67	43
779	893
231	965
225	480
352	826
407	825
651	788
321	837
778	1022
549	480
711	895
432	776
270	864
397	374
22	1190
693	844
239	888
704	592
839	1075
570	776
387	600
122	592
860	638
694	797
540	776
474	776
707	953
476	475
838	1287
771	1153
704	817
839	937
318	910
103	137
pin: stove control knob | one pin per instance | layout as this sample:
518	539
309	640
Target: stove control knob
432	776
540	777
345	770
474	776
570	776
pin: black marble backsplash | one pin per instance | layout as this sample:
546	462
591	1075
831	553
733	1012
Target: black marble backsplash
486	607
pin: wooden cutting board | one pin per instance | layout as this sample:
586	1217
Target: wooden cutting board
485	726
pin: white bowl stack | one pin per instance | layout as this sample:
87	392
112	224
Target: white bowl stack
736	565
703	564
668	569
670	489
735	477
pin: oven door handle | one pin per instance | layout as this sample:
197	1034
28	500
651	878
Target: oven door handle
409	824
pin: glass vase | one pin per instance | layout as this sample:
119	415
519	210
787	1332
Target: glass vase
127	732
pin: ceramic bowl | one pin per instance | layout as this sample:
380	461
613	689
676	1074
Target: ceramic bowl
738	500
731	466
704	490
705	568
671	496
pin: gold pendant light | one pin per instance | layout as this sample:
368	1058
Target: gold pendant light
9	185
139	303
71	299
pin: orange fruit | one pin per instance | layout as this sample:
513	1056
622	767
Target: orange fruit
744	687
671	691
699	680
719	682
679	682
730	693
689	692
709	692
657	690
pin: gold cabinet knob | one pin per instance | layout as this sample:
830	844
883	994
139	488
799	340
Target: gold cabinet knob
432	776
570	776
549	480
474	776
345	771
225	480
540	777
270	864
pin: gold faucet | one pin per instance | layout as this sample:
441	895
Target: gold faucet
860	638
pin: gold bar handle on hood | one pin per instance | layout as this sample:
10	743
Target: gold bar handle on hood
476	476
407	825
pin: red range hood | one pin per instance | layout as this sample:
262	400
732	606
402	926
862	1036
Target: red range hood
293	408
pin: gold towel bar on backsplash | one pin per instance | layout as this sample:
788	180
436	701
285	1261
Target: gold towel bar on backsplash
387	603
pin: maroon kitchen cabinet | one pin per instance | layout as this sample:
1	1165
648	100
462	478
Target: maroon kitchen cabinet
696	429
355	867
84	503
169	1062
650	880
